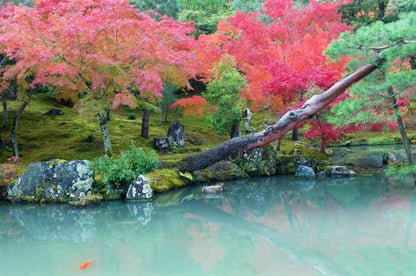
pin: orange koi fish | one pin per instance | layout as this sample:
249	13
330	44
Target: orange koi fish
84	265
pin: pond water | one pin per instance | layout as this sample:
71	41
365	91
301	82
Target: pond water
264	226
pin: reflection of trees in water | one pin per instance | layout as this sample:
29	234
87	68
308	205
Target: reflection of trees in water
307	205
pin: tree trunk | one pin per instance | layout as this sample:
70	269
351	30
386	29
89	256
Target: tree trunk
276	131
382	9
4	101
235	130
145	124
399	120
295	131
295	134
14	127
160	113
103	120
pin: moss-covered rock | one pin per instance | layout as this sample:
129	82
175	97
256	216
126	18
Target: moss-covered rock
221	171
259	161
166	179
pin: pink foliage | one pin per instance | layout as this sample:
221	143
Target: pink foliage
9	170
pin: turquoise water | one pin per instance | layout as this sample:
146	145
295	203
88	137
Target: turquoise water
265	226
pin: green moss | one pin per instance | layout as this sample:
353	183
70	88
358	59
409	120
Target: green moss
166	179
56	161
40	192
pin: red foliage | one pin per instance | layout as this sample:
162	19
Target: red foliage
192	106
102	48
9	170
282	58
325	131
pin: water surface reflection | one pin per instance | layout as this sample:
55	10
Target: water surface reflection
266	226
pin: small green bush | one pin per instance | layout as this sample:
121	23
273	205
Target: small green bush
122	171
194	138
397	170
131	116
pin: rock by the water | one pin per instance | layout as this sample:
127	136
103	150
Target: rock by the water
162	144
140	189
220	171
176	133
339	171
54	181
213	189
305	172
260	161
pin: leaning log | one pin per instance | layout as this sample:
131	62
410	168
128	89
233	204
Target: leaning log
286	123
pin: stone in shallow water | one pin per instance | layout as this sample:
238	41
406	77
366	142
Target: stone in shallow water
339	171
140	189
305	172
213	189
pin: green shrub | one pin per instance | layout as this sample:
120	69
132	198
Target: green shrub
131	116
398	170
122	171
194	138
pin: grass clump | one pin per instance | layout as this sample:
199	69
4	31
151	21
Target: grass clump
122	171
194	138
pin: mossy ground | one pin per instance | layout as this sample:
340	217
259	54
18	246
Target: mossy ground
43	138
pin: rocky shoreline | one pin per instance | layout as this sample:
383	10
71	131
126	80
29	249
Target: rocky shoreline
75	183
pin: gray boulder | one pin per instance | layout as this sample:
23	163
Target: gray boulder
140	189
176	133
339	171
162	144
53	181
305	172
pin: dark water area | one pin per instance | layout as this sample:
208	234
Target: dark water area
265	226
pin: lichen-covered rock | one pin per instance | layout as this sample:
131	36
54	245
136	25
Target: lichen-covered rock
162	144
140	189
54	181
260	161
220	171
305	172
339	171
213	189
176	133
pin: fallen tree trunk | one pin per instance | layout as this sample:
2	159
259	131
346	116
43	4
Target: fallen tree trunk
289	121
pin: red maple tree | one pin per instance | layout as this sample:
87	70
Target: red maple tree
96	52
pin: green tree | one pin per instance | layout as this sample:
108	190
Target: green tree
164	7
205	13
168	99
392	47
247	5
224	94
